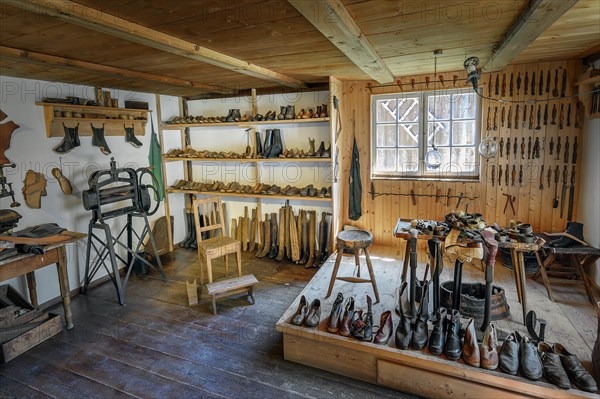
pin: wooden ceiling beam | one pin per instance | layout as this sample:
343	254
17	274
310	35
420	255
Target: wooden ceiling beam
99	21
78	65
334	21
538	16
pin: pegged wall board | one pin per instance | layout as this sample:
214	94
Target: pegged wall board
553	142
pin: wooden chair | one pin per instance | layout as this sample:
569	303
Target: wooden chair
218	245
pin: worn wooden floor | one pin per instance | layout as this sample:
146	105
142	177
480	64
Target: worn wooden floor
158	347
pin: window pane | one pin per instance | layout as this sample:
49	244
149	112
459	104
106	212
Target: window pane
445	153
386	110
464	106
408	110
386	160
439	107
463	133
408	160
408	135
441	131
386	135
463	159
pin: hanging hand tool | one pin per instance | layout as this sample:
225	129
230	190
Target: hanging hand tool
551	145
575	148
546	114
513	176
531	117
515	146
502	116
496	118
555	91
493	174
529	143
521	175
413	198
517	117
499	175
510	85
556	179
522	147
549	176
553	114
543	146
506	174
541	85
577	115
526	87
524	116
539	118
501	147
564	192
510	200
518	83
542	177
448	196
497	88
548	82
427	81
561	117
564	84
569	116
508	148
460	198
533	82
536	148
503	85
509	118
437	195
571	195
441	79
558	148
566	158
490	85
489	125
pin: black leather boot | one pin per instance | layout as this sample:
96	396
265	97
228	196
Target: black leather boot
70	141
335	317
404	329
274	236
281	115
420	328
453	348
98	139
572	236
362	329
438	335
130	137
259	147
277	147
268	143
229	117
290	112
189	221
235	115
305	240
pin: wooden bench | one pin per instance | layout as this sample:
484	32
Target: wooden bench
230	287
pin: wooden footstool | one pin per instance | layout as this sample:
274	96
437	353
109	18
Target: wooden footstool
232	286
354	241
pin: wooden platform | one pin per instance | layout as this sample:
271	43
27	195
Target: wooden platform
571	321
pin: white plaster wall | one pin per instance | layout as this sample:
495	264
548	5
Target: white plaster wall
30	149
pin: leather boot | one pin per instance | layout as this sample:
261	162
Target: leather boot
553	369
420	328
281	115
488	350
578	375
274	236
281	235
404	330
436	340
98	139
347	317
320	150
470	351
311	148
508	358
130	137
259	147
234	115
312	227
531	365
453	346
290	112
335	317
189	225
573	235
386	328
596	351
323	113
70	141
300	316
267	239
314	314
363	329
268	143
277	147
305	246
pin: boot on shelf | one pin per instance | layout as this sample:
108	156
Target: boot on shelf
453	346
420	328
277	147
274	236
489	348
282	233
311	148
305	249
189	223
362	329
98	139
312	227
320	150
234	115
404	330
130	137
259	146
268	143
282	112
436	340
470	352
266	245
323	238
70	141
323	113
290	112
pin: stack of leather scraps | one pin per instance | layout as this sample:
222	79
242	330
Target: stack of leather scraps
8	219
32	240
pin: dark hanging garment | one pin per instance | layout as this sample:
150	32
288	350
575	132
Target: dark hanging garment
355	196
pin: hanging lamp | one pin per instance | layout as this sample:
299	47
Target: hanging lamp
433	158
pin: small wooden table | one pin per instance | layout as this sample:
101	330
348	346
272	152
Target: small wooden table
27	264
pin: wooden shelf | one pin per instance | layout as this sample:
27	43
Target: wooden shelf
287	197
174	126
250	160
111	118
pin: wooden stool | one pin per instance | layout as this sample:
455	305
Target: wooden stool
230	287
354	240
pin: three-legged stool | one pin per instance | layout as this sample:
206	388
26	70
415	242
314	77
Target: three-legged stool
354	241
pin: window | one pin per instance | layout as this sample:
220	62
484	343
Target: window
399	127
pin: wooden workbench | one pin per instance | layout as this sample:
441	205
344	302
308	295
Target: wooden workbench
28	263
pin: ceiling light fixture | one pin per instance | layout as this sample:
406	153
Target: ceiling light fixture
473	76
433	158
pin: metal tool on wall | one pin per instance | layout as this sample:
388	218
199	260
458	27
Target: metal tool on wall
503	85
551	146
546	114
575	148
553	114
496	118
513	176
564	192
548	82
526	86
497	86
515	146
517	117
577	113
493	175
566	158
542	177
525	116
489	126
508	148
556	179
531	109
510	85
509	117
522	147
555	91
533	82
539	118
499	175
569	116
549	176
571	195
4	191
510	200
506	174
561	117
536	148
541	85
519	83
501	147
529	144
503	116
521	175
558	148
563	92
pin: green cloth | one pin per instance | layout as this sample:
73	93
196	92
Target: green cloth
355	197
155	161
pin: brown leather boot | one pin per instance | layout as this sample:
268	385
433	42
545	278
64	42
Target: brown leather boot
347	317
470	352
266	245
273	252
489	351
282	234
312	227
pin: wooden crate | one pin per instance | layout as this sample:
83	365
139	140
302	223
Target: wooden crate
19	339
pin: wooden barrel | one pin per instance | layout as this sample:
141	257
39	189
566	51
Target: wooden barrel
472	300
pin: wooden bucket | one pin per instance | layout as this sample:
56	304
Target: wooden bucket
472	300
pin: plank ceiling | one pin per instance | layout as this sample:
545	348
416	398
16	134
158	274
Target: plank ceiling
274	35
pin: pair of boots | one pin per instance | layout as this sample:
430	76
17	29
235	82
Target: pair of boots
361	327
287	112
445	336
412	330
190	240
233	115
71	139
273	146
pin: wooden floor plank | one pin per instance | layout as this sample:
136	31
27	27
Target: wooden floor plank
12	389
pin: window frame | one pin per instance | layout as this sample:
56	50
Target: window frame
423	123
